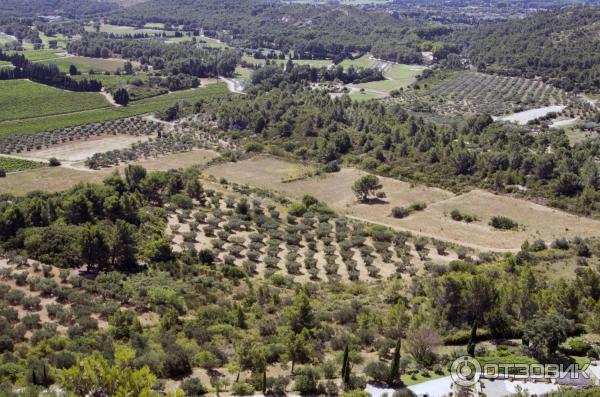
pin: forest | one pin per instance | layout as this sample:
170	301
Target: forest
324	32
560	46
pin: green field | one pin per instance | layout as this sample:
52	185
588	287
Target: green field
41	55
22	99
362	62
317	63
126	30
112	83
148	105
60	39
210	42
397	76
85	64
5	39
9	164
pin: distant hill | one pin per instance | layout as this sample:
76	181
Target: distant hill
561	46
67	8
316	30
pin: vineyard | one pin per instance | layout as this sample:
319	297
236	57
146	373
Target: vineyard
8	164
495	95
24	99
135	126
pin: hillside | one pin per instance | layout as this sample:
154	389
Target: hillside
562	46
67	8
318	31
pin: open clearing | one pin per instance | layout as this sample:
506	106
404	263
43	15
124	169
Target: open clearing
85	64
126	30
25	99
55	179
536	221
396	75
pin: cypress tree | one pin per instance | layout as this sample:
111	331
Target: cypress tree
395	367
472	340
346	367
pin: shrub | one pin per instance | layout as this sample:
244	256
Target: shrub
400	212
417	206
561	244
193	387
306	380
206	360
182	201
503	223
53	162
242	389
378	371
31	303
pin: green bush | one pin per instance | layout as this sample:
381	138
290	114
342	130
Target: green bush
400	212
503	223
193	387
242	389
306	380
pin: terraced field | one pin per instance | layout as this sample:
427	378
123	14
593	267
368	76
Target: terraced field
22	99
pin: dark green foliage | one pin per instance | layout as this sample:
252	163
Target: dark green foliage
503	223
121	97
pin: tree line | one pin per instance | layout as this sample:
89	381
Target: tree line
44	74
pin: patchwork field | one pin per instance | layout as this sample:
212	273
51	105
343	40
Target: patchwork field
147	105
54	179
23	99
536	221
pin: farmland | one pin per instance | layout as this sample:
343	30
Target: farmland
126	30
205	223
81	117
9	164
23	99
538	222
85	64
496	95
55	179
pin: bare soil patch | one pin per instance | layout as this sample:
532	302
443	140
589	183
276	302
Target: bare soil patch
81	150
259	171
54	179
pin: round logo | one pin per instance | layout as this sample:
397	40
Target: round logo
465	371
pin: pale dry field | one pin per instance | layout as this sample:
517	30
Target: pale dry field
82	149
536	221
54	179
259	171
